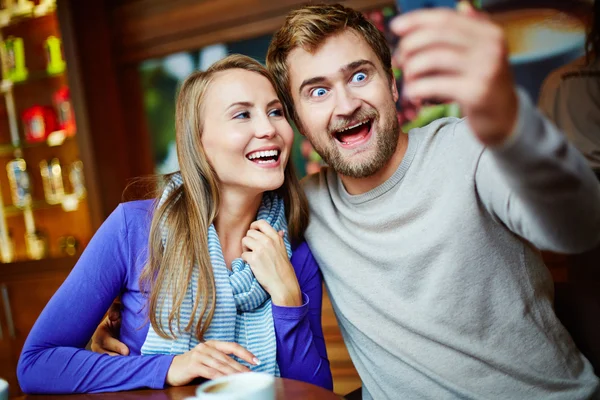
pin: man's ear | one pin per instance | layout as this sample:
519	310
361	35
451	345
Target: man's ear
394	89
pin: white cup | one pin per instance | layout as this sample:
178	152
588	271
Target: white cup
246	386
3	389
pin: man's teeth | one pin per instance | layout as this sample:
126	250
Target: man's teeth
264	154
353	126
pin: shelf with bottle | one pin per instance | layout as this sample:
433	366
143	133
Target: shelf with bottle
31	215
32	77
54	139
43	201
18	11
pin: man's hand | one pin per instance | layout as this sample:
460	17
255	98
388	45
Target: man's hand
104	339
461	56
208	360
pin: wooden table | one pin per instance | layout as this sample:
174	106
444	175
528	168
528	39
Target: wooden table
287	389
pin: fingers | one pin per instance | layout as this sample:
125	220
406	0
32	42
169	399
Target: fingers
219	361
109	345
114	312
437	87
261	232
425	39
442	61
263	226
235	349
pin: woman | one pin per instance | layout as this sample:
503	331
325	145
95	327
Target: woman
192	306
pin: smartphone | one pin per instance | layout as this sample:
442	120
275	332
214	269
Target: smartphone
405	6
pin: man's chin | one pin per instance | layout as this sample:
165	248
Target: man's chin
353	168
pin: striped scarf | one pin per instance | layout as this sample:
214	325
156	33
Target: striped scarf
243	308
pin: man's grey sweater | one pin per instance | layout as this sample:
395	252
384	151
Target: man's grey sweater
433	275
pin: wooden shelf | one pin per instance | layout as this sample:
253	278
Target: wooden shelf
27	18
26	267
12	210
32	77
10	149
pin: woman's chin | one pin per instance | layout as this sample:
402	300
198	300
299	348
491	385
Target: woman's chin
270	185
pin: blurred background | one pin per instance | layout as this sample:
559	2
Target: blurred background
88	104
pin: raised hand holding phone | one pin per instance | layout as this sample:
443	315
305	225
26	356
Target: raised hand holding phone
461	56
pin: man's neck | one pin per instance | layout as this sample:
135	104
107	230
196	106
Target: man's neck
355	186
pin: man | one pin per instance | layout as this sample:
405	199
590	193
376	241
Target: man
423	239
426	240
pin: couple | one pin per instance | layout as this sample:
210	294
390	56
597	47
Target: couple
427	241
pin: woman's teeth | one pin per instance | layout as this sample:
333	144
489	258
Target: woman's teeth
264	157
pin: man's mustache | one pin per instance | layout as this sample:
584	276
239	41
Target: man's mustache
359	115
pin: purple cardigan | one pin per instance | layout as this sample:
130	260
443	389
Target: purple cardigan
54	359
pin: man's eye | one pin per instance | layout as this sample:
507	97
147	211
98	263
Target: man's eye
318	92
278	112
242	115
359	77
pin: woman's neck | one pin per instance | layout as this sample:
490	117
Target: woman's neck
236	213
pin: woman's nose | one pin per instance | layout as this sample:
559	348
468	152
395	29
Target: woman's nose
265	129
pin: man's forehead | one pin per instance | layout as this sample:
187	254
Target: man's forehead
329	58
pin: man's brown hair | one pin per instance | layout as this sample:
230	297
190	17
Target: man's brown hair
307	28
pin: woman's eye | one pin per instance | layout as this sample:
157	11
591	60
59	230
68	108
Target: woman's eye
276	113
318	92
359	77
242	115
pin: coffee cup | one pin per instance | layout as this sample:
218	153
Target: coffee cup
244	386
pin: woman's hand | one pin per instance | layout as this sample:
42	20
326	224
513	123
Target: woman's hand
265	251
208	360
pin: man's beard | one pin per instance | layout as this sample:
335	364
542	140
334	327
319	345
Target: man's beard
384	145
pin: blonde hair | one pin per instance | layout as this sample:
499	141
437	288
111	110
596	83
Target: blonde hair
190	210
307	28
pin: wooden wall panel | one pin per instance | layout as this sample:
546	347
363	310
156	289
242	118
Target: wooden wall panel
153	28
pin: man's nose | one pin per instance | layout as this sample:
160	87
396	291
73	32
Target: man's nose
346	103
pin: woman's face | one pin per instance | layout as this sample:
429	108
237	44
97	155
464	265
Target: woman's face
246	137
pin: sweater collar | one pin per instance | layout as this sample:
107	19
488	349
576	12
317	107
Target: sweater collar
392	181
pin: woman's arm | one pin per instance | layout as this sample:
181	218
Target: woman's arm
301	352
53	359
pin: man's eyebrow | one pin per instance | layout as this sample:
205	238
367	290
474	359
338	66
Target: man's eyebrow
355	65
345	69
311	81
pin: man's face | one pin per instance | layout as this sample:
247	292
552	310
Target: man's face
346	104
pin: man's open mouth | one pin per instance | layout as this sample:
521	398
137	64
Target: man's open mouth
264	156
354	134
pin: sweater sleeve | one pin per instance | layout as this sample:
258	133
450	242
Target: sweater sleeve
54	359
301	352
540	186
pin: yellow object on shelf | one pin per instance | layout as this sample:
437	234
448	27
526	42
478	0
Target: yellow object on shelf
56	64
15	69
